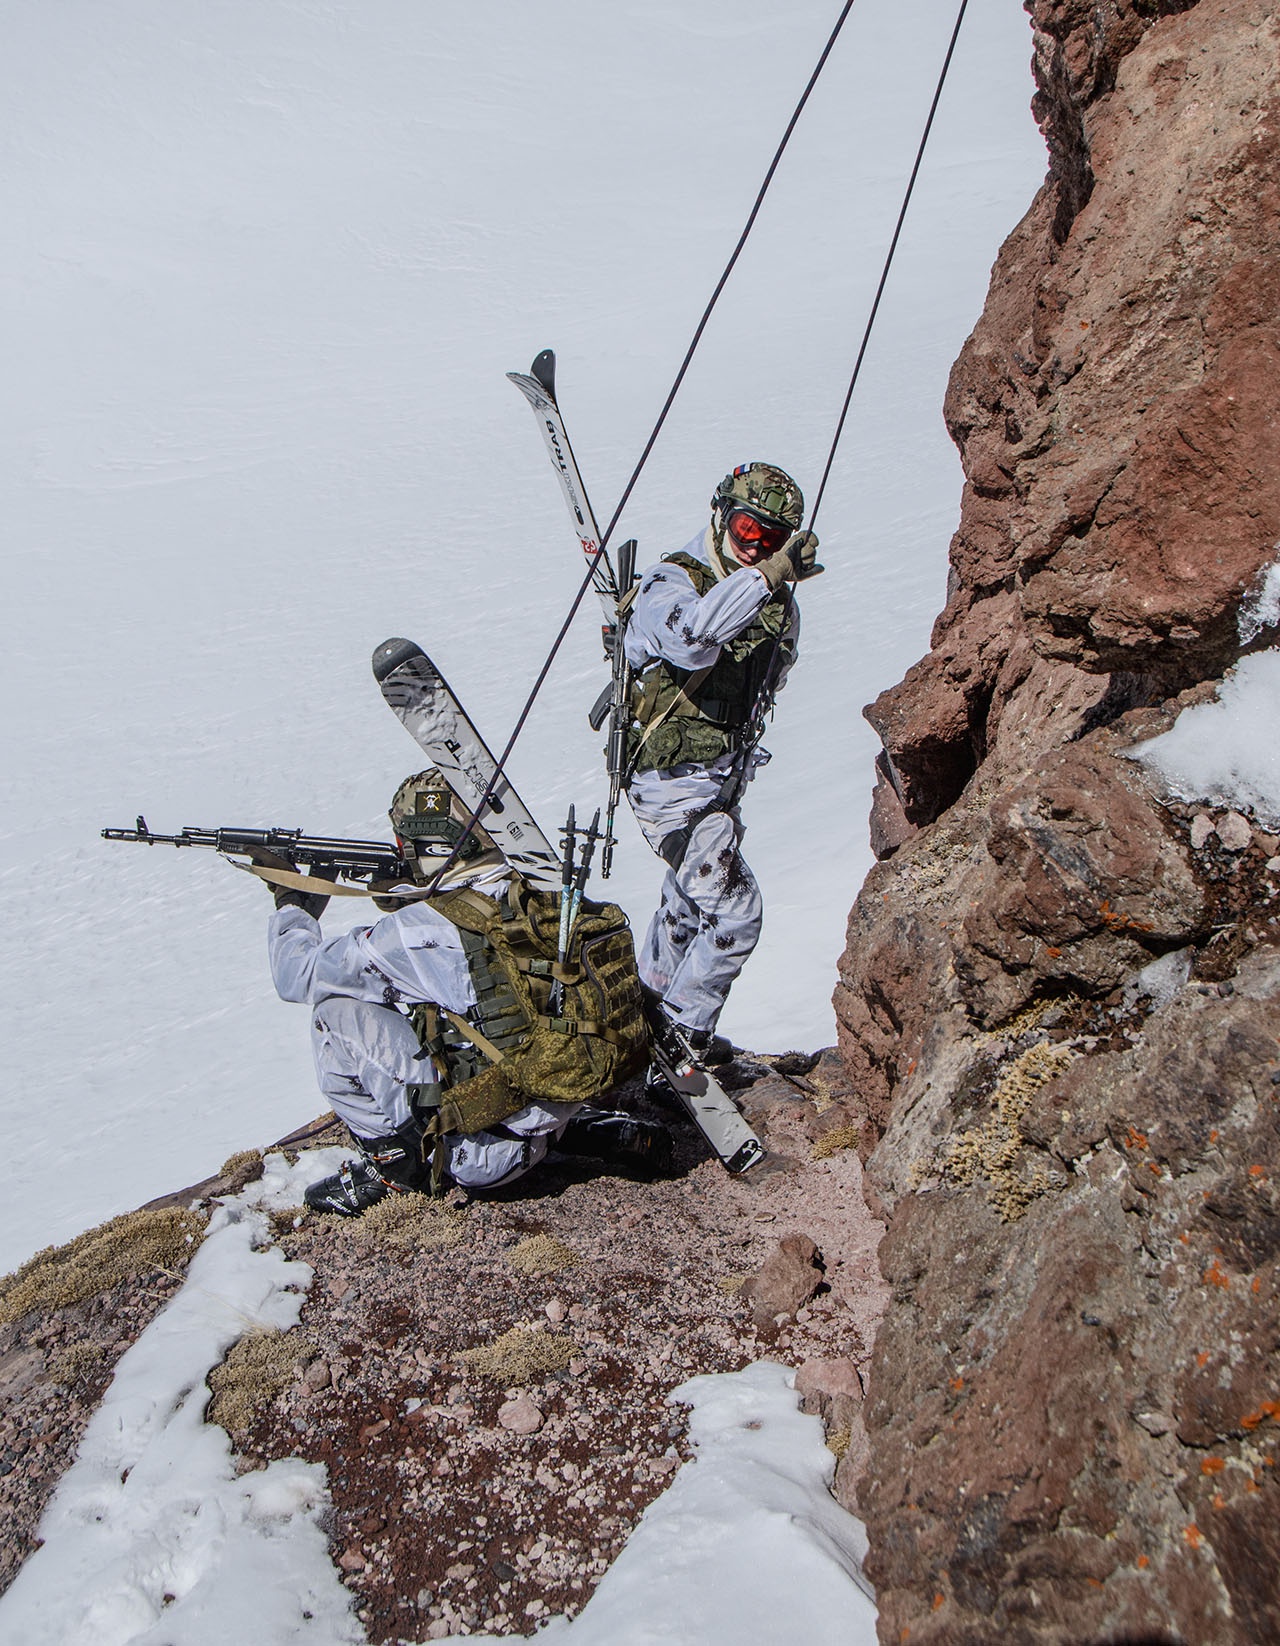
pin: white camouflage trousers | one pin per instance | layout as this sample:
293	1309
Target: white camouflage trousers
706	925
366	1055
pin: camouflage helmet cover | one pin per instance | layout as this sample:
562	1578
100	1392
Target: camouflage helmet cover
426	813
764	488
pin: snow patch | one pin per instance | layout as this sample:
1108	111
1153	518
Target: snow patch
1226	752
747	1547
1261	607
151	1538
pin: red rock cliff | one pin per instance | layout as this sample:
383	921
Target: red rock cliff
1074	1398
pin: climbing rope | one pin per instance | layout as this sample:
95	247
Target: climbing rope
888	262
701	327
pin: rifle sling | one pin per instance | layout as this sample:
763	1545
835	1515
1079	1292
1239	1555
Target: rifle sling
296	882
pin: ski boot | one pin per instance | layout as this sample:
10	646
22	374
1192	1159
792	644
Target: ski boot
387	1165
703	1045
618	1139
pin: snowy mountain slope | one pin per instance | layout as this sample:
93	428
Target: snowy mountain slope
265	270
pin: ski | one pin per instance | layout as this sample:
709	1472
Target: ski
710	1107
420	697
538	386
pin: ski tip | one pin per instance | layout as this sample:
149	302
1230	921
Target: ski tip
544	369
391	654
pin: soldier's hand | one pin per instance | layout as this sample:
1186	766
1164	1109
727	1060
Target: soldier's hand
312	903
794	561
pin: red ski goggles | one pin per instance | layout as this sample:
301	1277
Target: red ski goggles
753	532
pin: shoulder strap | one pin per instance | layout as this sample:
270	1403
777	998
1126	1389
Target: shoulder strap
473	911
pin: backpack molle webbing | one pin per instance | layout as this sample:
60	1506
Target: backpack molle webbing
509	1050
700	714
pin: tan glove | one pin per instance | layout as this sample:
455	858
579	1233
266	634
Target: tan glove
793	562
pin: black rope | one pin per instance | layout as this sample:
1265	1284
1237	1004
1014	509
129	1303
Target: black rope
680	376
728	270
884	273
648	447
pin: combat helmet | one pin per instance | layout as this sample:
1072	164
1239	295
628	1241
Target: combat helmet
764	491
429	818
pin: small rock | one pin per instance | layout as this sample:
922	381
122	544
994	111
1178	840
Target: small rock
459	1571
1201	829
784	1283
555	1310
1155	1423
351	1560
819	1382
1234	833
521	1416
440	1629
1273	865
317	1376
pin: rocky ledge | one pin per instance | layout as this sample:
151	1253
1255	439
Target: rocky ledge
486	1380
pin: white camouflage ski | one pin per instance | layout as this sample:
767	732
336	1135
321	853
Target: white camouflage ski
422	701
538	386
710	1107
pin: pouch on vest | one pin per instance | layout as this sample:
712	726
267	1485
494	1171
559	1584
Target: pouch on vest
697	715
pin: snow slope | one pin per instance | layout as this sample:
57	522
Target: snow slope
264	268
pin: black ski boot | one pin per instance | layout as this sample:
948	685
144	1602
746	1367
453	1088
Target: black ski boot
387	1165
618	1139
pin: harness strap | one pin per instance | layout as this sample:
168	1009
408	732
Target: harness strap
582	1025
475	1037
674	707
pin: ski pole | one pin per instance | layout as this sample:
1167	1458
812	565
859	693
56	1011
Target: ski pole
584	869
566	900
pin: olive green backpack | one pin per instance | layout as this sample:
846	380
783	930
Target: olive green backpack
511	1050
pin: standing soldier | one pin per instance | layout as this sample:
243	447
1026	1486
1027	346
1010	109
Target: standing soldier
711	636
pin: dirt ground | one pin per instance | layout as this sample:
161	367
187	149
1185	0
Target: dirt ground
488	1381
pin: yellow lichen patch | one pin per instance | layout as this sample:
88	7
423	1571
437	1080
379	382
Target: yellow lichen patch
542	1254
520	1356
124	1249
245	1166
994	1150
408	1222
838	1440
731	1285
1028	1018
254	1372
836	1140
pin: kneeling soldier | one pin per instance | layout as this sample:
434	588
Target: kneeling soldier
430	1028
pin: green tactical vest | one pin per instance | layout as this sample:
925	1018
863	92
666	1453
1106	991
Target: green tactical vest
687	714
509	1050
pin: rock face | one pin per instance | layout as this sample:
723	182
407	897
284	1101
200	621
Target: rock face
1060	999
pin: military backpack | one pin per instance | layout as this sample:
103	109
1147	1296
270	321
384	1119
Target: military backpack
511	1048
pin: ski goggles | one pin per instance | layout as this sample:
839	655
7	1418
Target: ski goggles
753	531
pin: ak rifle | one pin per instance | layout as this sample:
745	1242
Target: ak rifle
366	861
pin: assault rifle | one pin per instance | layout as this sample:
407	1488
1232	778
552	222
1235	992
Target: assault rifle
614	703
367	861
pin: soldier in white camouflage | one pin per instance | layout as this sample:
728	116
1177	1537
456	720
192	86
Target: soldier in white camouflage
711	637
